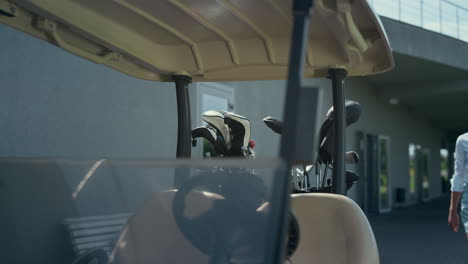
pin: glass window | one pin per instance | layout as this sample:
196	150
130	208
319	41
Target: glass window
384	186
425	174
444	169
130	209
412	171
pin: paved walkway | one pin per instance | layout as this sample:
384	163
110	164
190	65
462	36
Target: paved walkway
419	235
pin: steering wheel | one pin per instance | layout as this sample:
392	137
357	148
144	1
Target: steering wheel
230	228
293	235
97	256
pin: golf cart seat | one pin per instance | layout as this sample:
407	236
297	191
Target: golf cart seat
151	235
333	230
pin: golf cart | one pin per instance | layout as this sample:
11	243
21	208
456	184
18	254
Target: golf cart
204	211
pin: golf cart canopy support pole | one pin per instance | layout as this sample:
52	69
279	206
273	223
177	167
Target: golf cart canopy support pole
299	38
339	130
184	122
301	12
183	114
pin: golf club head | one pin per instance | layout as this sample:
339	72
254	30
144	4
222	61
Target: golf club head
351	179
352	157
216	120
274	124
353	113
240	132
210	134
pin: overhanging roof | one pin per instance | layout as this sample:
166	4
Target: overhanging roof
432	91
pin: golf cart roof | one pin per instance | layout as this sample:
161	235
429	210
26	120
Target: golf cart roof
222	40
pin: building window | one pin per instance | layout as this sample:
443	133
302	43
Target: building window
384	173
425	174
412	171
444	169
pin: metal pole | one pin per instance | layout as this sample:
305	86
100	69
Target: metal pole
399	10
295	76
458	23
440	16
183	114
339	133
301	12
421	11
184	125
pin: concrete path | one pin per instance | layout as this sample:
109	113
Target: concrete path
419	235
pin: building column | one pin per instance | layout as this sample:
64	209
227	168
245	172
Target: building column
451	161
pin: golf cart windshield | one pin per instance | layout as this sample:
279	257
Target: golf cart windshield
59	210
129	210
